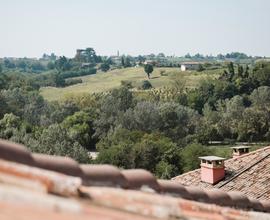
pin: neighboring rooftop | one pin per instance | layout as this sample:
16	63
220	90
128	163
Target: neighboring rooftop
36	186
248	174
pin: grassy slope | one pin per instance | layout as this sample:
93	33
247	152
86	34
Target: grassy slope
101	82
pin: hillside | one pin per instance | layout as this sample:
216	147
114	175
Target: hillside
101	81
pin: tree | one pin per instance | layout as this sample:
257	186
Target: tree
9	64
240	71
260	97
8	125
231	112
104	67
144	117
51	65
188	56
231	71
116	148
111	109
148	68
135	149
79	127
63	64
207	129
262	73
37	66
55	141
191	153
125	61
53	57
177	121
155	150
200	68
22	64
90	55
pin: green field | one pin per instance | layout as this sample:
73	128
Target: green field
101	81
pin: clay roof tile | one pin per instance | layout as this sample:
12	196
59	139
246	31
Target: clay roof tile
15	152
197	194
239	200
219	197
174	189
256	205
139	178
103	175
266	205
60	164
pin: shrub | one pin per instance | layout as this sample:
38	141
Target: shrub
70	82
83	72
127	84
163	73
104	67
146	85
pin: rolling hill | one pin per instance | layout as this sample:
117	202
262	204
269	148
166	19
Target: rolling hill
102	82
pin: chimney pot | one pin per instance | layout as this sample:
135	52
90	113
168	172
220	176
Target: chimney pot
212	169
239	151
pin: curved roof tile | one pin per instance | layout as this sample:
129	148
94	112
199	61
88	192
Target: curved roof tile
15	152
103	175
139	178
174	189
59	164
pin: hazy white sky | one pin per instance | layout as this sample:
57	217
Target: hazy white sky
33	27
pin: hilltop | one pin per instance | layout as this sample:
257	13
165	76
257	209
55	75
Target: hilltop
105	81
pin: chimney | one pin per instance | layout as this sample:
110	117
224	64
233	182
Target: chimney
212	169
239	151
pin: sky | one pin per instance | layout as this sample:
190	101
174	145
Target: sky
29	28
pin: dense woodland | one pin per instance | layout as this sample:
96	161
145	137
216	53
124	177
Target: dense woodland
161	132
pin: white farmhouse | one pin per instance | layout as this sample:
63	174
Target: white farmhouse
190	66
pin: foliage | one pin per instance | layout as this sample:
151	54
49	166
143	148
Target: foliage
82	72
104	67
80	128
70	82
200	68
63	64
148	68
111	110
132	149
191	153
127	84
55	141
146	85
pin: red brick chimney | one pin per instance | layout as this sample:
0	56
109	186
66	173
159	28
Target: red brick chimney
212	169
239	151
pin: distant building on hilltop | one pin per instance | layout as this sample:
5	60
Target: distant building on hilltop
190	66
152	62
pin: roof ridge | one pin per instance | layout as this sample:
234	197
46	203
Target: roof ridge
248	154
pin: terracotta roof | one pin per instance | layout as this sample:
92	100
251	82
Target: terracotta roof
60	188
249	174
